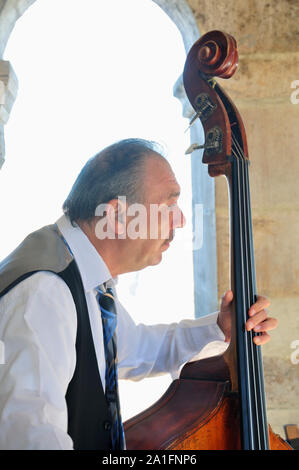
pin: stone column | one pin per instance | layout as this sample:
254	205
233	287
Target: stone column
203	198
267	34
203	190
8	93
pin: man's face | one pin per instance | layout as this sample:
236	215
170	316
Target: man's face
160	192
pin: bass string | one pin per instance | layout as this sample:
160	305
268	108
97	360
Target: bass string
248	302
253	354
263	437
245	367
259	379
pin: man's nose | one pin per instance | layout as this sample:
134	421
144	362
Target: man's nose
179	220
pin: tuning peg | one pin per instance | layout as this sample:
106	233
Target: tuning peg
192	121
195	146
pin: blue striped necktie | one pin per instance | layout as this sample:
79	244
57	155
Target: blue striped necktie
109	321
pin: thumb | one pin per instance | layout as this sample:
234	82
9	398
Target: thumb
226	300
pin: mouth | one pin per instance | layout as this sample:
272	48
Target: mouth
165	246
171	237
167	242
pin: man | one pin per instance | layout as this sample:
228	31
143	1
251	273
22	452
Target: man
58	377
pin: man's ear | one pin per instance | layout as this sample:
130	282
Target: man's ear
116	213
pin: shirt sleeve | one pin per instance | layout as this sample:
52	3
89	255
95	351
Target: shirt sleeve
152	350
38	326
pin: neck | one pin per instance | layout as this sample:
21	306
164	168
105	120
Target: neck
113	251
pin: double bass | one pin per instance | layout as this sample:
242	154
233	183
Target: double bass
218	403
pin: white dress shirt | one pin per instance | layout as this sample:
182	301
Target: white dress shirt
38	324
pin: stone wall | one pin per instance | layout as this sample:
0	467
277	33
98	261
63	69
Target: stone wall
267	33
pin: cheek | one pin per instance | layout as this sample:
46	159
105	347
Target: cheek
164	224
154	227
161	221
148	247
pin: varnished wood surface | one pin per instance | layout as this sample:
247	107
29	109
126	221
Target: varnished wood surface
195	413
186	405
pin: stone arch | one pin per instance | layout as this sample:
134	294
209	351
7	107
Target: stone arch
178	11
10	10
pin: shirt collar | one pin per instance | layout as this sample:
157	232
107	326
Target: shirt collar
92	267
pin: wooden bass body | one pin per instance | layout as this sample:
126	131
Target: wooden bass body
197	412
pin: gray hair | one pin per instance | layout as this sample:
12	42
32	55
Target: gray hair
115	171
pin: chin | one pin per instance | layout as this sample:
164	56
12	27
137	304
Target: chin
156	260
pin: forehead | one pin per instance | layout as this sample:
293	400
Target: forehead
160	181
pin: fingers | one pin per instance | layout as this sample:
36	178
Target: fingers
266	325
262	338
260	304
256	319
260	322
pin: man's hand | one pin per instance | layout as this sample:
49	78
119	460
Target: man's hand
258	318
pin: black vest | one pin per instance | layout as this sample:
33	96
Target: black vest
89	421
